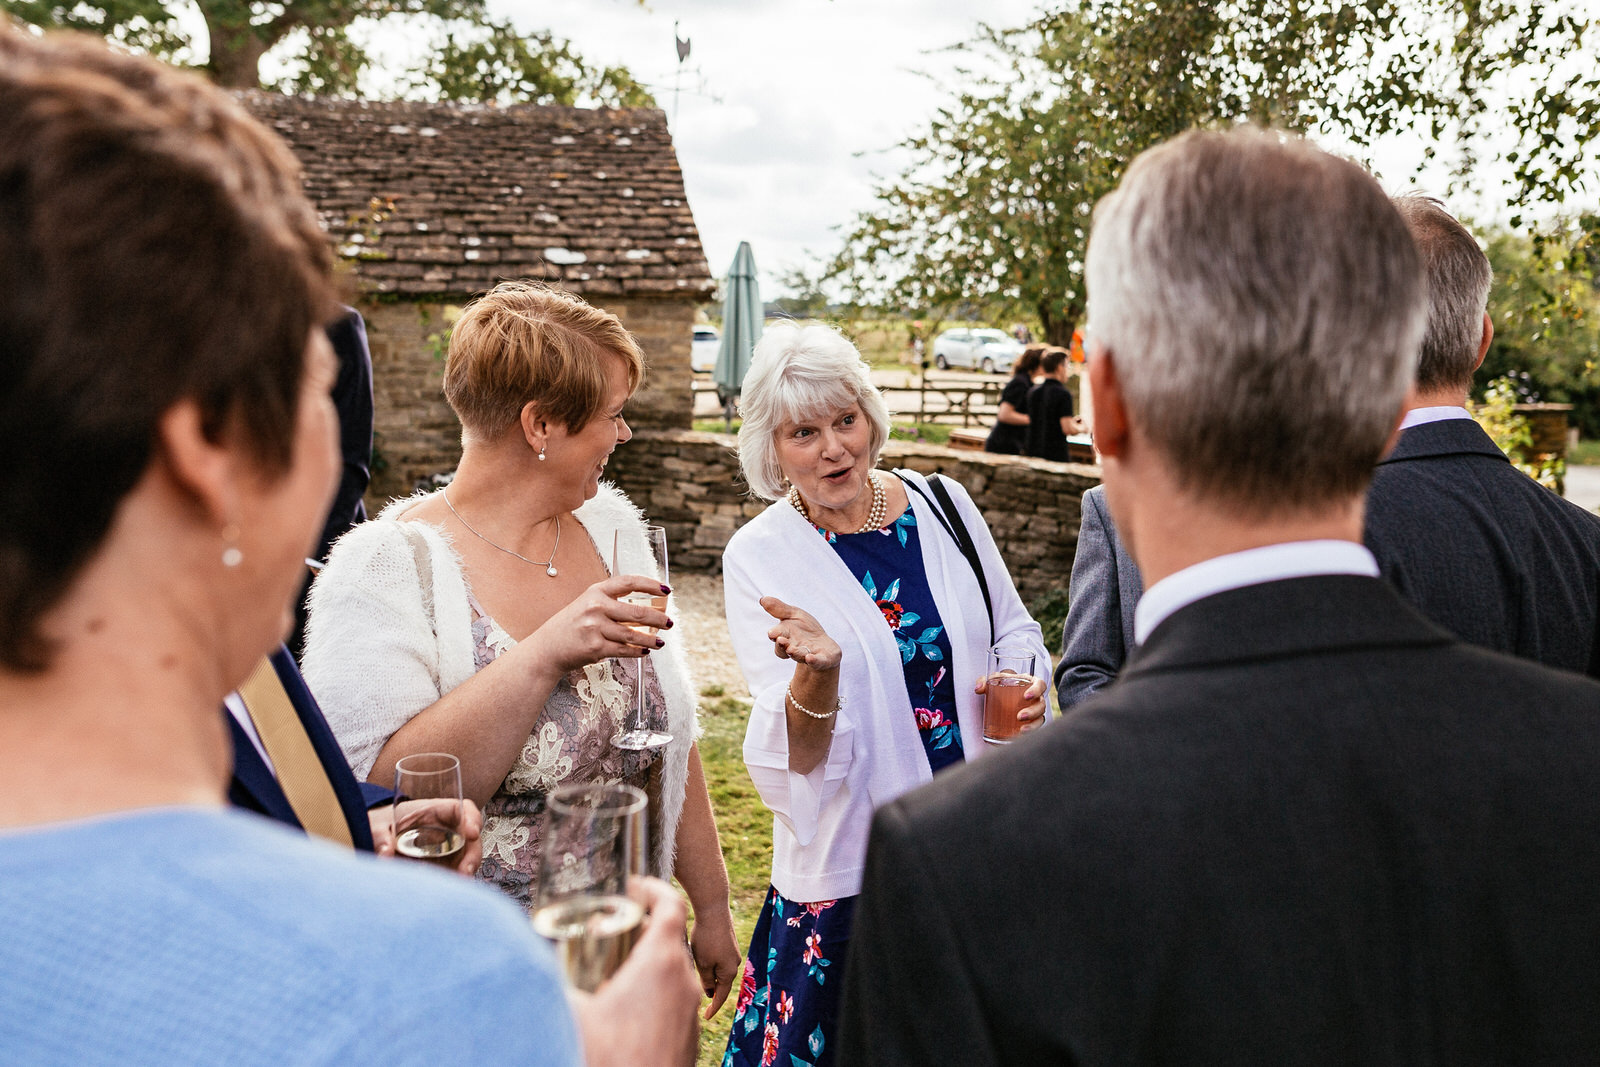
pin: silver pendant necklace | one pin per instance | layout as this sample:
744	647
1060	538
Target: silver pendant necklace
549	565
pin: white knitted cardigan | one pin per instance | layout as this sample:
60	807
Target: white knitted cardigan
390	632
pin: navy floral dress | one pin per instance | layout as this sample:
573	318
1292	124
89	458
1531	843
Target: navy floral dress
789	995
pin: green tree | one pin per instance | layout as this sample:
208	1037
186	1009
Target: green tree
1546	311
994	210
474	56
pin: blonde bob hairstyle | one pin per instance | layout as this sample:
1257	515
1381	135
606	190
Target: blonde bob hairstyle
800	371
523	343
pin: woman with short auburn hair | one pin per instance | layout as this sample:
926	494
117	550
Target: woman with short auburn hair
861	629
483	620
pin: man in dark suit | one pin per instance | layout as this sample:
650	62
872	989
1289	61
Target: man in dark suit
1478	546
1105	587
1305	825
288	766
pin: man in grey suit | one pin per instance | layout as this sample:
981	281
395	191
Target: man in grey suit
1478	546
1105	586
1305	825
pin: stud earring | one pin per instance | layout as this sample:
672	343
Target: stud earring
231	556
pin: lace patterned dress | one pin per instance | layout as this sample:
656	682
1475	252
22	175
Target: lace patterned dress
570	742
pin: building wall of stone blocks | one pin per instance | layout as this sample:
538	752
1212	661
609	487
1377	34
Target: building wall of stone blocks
417	435
689	482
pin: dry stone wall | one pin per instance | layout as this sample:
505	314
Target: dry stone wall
689	482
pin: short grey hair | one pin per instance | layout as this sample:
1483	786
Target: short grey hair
800	371
1263	304
1459	277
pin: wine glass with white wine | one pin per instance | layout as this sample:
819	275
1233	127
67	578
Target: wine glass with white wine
594	841
642	730
427	808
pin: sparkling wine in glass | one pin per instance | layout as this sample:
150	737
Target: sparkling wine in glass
427	808
594	841
643	730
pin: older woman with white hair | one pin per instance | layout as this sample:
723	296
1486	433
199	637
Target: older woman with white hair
860	625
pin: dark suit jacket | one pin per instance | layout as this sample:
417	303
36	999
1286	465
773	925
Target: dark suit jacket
1305	826
1105	589
254	787
1484	550
352	399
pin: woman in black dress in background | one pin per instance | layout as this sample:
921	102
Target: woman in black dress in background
1010	431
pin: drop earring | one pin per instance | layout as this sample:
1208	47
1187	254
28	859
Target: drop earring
231	556
541	453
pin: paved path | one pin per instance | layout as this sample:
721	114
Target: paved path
1583	487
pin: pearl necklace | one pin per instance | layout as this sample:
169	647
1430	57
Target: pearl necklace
549	565
875	516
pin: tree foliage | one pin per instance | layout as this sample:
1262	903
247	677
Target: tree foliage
993	212
1546	310
473	56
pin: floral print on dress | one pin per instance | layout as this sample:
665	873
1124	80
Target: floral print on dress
571	741
787	1007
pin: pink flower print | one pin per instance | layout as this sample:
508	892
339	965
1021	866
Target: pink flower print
793	920
747	988
813	951
769	1045
817	907
785	1006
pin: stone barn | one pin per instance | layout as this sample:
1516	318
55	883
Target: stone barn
430	204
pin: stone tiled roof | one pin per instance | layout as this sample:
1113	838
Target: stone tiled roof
446	199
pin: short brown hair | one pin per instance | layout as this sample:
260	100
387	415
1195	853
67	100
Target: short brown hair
523	343
154	246
1053	357
1459	277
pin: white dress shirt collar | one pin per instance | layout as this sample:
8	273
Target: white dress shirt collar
1270	563
1419	416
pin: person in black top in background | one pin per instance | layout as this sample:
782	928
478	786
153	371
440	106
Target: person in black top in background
1050	417
352	399
1010	433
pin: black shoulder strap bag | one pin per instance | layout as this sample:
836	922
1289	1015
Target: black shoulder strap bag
945	511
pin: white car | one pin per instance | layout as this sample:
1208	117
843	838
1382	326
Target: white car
990	351
703	350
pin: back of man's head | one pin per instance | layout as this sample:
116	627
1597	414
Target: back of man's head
1459	277
1262	303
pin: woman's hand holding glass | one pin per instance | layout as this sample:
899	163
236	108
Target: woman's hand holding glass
1035	701
599	624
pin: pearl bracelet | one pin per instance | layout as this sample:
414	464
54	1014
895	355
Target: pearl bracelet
837	704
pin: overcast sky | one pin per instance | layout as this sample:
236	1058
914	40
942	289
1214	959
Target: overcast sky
788	107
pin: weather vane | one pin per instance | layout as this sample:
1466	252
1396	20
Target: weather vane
677	77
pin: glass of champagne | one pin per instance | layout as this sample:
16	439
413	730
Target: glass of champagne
641	730
594	841
1011	670
427	808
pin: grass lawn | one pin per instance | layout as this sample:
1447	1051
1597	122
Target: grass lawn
745	826
1584	454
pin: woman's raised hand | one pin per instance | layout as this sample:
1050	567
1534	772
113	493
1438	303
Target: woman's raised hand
797	636
599	624
1035	703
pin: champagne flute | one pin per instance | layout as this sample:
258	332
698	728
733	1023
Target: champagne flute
640	731
427	808
594	841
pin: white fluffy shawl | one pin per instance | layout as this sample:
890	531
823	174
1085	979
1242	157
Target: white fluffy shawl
391	632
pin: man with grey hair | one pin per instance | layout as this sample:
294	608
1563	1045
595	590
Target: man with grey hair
1479	547
1305	825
